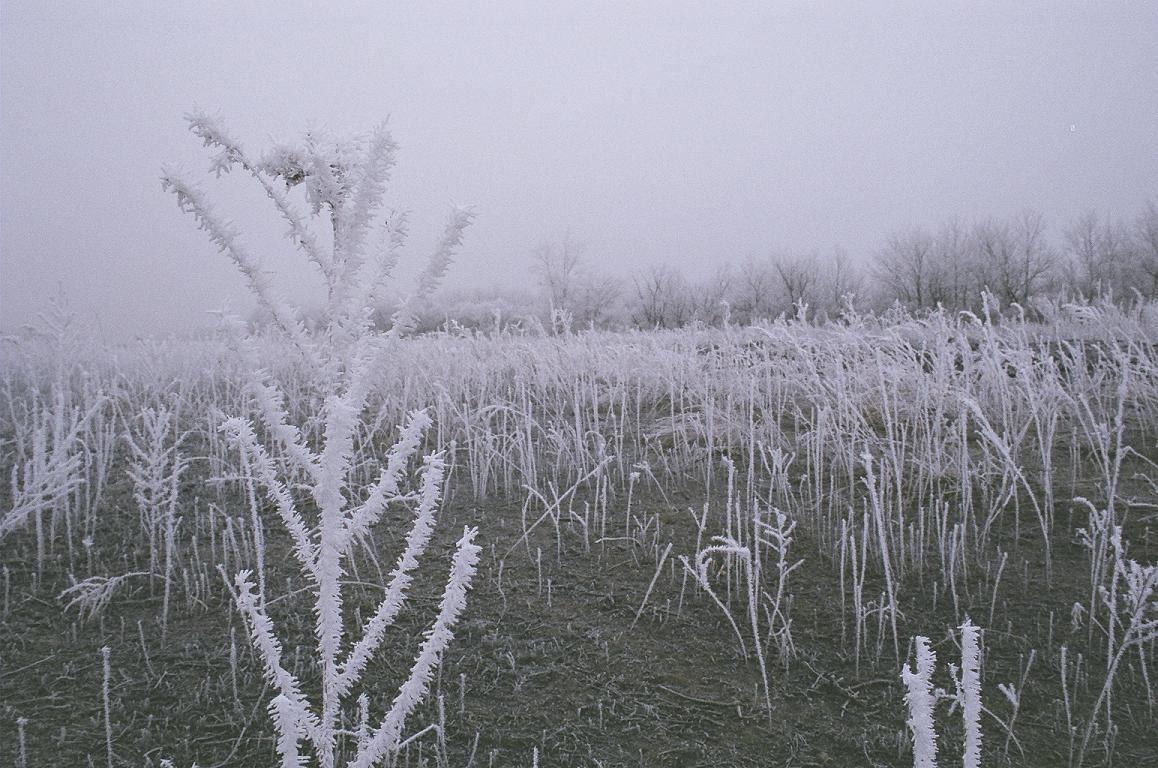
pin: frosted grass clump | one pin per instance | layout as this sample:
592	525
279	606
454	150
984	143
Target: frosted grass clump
969	691
921	698
49	469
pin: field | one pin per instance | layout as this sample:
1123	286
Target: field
696	547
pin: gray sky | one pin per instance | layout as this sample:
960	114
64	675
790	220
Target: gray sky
685	133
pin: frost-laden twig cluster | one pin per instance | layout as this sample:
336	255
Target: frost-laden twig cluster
345	183
321	550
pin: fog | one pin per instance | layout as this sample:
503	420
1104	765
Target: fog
663	132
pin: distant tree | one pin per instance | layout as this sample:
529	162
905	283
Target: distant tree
1146	245
662	298
598	301
799	277
839	281
1015	261
1038	261
906	268
1102	255
711	303
955	285
572	294
993	241
753	291
557	267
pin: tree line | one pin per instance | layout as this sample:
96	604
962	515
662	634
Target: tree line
951	265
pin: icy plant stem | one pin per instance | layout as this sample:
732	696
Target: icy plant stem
921	701
971	692
106	674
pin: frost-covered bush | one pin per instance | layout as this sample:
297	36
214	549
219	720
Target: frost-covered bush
313	490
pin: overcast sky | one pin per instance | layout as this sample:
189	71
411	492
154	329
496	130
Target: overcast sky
686	133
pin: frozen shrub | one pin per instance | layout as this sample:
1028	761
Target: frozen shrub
313	491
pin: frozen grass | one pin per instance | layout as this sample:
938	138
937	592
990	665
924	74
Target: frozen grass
629	450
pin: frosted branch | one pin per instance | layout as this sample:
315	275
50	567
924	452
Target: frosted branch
241	431
437	638
400	579
435	270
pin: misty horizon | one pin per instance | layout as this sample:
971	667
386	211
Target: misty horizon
654	134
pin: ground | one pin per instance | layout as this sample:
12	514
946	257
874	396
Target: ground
546	658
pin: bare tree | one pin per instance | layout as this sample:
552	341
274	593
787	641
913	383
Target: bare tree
662	298
753	291
598	300
906	268
993	242
1102	254
557	268
955	271
1037	260
1146	244
839	282
1015	261
710	298
798	278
